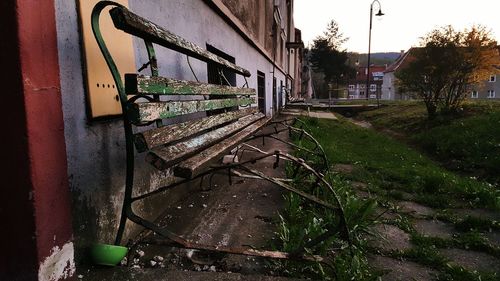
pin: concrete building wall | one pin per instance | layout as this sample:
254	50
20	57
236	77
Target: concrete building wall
250	14
96	149
483	91
388	89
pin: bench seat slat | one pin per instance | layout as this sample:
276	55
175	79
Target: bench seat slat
131	23
166	156
167	134
145	85
150	111
193	166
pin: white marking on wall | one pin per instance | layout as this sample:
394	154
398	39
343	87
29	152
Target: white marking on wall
59	265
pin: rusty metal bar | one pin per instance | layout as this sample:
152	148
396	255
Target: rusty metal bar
239	250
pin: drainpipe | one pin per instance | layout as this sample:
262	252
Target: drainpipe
275	46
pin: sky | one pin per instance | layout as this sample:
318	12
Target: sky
402	26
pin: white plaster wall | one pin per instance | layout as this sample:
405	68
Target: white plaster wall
196	22
388	89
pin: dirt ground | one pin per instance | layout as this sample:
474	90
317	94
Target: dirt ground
241	214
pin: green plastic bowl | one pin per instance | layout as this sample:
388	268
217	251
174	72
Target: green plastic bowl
106	254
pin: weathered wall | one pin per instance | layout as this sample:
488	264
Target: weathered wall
250	14
36	236
96	150
257	17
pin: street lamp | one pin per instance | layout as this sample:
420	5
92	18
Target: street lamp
379	14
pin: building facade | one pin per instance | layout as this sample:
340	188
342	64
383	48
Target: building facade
356	87
389	89
68	167
485	90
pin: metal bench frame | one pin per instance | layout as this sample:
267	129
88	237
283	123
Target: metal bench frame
158	35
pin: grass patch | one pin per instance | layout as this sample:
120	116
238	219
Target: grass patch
388	167
468	223
458	273
468	141
474	223
427	256
382	161
302	221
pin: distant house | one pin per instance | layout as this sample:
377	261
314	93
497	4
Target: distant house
357	86
489	89
389	90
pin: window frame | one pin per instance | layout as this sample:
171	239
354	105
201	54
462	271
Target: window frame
491	94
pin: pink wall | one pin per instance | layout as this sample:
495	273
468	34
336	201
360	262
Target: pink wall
34	196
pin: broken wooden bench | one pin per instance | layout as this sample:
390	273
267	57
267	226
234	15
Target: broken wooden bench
221	117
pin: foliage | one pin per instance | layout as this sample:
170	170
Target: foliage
334	36
328	57
471	144
301	221
468	142
328	60
446	66
397	164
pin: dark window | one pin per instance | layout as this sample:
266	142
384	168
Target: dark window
280	95
214	70
261	91
228	77
275	98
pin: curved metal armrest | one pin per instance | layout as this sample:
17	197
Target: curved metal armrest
96	29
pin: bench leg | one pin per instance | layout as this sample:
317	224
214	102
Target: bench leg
302	169
308	146
319	181
129	180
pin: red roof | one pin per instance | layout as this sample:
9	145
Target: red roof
361	71
402	61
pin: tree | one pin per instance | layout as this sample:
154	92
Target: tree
333	35
327	56
446	66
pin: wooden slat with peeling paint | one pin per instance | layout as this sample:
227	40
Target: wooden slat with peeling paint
151	111
146	85
165	156
140	27
191	167
171	133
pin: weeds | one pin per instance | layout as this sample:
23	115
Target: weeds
388	169
467	142
302	221
458	273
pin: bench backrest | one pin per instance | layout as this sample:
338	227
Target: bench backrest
136	86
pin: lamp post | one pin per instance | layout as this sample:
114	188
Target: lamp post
379	14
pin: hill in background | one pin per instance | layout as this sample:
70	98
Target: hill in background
376	58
